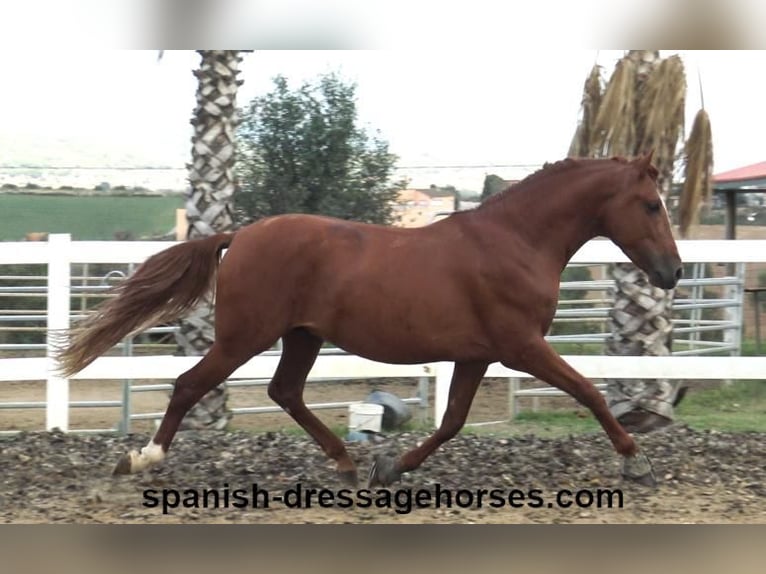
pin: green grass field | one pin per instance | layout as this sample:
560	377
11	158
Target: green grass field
86	217
738	407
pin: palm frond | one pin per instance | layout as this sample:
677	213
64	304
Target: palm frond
698	182
642	108
614	129
591	101
660	115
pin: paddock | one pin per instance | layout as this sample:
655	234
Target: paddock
704	477
65	476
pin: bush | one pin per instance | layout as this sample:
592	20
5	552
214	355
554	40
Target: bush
303	151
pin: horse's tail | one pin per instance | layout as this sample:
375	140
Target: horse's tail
165	286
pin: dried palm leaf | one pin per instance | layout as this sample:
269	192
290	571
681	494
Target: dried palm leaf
698	183
660	115
614	127
591	100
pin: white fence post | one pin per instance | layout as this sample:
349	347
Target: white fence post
59	277
441	390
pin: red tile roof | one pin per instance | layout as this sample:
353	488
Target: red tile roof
755	171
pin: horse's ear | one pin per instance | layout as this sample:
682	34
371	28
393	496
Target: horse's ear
644	165
644	162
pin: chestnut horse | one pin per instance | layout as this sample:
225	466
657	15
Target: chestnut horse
478	287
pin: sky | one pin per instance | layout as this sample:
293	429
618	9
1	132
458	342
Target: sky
499	112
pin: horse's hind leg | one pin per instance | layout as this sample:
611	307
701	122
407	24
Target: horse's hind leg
541	361
299	351
465	381
189	388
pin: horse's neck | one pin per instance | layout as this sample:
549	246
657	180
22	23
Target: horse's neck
555	217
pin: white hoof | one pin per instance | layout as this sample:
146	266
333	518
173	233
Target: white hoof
134	461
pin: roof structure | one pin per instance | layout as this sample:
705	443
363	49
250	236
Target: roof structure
747	179
741	178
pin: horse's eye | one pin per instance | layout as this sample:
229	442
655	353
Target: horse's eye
653	207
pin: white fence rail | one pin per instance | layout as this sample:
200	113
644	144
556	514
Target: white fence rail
60	252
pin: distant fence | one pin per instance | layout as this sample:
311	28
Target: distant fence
59	253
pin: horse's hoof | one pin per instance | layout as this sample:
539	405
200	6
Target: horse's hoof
639	469
383	471
646	480
123	465
349	478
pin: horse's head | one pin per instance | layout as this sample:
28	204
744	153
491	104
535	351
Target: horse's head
636	220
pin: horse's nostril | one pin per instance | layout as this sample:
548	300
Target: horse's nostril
679	273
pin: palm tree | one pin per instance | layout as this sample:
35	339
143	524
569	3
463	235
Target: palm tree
642	108
209	203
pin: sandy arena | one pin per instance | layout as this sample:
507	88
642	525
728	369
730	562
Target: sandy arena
704	477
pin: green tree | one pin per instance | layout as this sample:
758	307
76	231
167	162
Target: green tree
492	184
303	152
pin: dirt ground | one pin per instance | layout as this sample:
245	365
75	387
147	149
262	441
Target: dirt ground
703	477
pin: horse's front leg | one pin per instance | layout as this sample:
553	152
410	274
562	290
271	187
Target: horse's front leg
465	380
540	360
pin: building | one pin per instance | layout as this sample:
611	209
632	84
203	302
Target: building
415	208
748	181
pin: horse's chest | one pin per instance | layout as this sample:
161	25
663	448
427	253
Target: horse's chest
521	302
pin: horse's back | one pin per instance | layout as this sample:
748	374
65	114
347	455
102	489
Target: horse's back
305	254
312	236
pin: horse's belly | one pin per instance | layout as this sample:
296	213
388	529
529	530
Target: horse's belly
394	352
410	342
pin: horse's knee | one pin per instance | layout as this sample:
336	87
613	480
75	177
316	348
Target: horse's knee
274	393
283	397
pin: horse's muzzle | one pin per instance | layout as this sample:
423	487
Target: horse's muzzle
667	273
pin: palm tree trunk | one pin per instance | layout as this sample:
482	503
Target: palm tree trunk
209	205
640	325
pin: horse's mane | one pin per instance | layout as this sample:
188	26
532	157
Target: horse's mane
567	164
547	169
